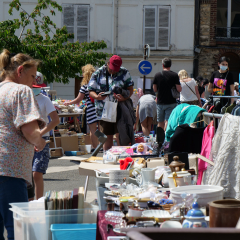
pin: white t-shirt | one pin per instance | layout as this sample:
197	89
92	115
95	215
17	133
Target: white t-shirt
186	94
46	107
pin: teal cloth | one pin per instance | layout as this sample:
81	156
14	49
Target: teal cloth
182	114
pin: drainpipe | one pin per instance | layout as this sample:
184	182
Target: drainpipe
113	6
196	37
117	30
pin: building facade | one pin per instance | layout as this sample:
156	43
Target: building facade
218	35
126	25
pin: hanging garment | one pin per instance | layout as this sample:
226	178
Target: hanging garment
225	154
186	139
208	135
230	108
182	114
126	119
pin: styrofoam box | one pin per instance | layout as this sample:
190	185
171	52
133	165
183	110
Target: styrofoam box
32	221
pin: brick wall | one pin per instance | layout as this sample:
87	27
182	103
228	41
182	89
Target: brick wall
213	22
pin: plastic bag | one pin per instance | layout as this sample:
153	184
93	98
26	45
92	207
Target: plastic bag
109	113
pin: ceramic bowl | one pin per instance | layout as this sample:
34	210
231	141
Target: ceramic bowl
134	212
171	224
156	214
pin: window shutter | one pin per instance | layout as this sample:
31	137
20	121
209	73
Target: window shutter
68	18
82	22
150	17
163	28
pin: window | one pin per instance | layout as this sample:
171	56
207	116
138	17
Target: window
76	19
228	19
156	27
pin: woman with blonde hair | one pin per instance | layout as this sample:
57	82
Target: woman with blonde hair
92	120
20	119
189	93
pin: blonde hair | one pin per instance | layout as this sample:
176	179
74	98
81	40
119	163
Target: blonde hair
10	62
88	70
183	74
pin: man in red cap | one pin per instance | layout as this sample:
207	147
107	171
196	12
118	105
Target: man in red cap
107	78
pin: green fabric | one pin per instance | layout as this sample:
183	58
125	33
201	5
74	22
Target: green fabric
230	108
182	114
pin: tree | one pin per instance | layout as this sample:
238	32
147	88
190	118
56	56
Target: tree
61	59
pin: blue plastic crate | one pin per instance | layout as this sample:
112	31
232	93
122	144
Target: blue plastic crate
84	231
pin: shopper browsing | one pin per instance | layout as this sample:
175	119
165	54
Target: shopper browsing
41	159
92	120
146	111
189	93
20	119
106	78
163	82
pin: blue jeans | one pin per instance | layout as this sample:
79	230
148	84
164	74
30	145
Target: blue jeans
12	190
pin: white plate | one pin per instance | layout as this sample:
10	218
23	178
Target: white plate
156	214
110	193
198	189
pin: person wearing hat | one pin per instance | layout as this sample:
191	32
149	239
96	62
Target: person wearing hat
41	159
106	78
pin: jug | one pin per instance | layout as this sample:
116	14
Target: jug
148	175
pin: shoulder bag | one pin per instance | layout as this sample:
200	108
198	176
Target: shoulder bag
174	91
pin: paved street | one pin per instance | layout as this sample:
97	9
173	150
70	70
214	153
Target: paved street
62	174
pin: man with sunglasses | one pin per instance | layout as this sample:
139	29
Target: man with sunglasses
106	78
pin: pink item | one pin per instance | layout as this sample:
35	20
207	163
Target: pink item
208	135
139	92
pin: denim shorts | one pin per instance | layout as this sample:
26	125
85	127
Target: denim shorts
41	159
164	111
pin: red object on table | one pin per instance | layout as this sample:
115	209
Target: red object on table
139	140
124	163
102	227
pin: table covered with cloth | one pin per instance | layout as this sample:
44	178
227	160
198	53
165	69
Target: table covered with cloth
102	223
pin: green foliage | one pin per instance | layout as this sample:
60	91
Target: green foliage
61	59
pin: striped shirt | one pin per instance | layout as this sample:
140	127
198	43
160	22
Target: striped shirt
91	111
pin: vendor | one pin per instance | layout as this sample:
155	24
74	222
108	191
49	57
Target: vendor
146	111
92	120
221	82
41	159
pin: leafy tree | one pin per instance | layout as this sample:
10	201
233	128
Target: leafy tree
61	59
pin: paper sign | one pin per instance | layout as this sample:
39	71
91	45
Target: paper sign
148	83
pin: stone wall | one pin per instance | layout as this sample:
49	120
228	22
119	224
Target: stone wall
204	37
206	62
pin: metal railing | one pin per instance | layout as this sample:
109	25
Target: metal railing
228	32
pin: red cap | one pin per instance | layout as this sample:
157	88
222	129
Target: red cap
115	63
36	86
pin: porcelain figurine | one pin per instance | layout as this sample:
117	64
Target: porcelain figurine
195	218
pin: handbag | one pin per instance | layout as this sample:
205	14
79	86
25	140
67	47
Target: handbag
174	91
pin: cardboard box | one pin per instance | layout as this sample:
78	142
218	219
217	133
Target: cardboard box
87	140
69	143
56	153
58	142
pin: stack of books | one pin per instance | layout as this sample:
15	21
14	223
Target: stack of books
65	199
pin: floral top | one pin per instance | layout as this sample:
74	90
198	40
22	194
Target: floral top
98	84
18	107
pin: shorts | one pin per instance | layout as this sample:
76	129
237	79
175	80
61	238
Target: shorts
108	128
41	159
164	111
